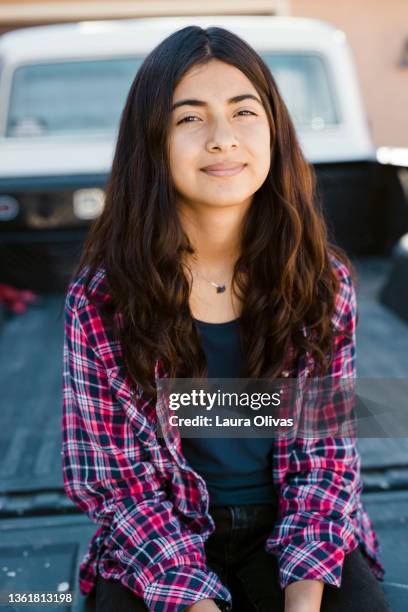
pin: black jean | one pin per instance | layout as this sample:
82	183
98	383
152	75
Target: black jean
235	552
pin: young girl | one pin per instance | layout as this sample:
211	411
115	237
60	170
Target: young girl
211	259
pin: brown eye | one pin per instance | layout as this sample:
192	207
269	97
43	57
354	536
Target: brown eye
184	120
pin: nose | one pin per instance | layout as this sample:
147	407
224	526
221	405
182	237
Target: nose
221	136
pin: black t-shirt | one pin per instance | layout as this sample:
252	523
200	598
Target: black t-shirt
236	470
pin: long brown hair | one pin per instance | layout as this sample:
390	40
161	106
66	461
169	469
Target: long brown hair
138	239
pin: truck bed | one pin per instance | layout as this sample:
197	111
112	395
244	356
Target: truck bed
43	536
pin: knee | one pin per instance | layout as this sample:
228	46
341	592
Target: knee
367	597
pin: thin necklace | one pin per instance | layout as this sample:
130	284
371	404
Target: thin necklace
219	288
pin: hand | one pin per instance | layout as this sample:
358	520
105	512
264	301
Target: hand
204	605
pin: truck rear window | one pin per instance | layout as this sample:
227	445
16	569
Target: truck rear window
77	97
306	87
64	98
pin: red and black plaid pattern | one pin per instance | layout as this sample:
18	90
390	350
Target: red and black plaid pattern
152	508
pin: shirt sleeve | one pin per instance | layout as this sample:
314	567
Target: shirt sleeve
107	474
320	492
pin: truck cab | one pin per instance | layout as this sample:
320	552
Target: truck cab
62	89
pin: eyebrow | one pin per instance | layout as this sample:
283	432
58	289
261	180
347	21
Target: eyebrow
234	100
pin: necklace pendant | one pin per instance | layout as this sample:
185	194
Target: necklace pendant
220	288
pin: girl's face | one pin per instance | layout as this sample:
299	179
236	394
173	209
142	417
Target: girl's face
218	120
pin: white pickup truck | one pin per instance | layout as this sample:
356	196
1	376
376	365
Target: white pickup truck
62	88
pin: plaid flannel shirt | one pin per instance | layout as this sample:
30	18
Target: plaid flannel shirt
152	507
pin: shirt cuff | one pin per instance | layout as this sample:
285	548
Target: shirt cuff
181	587
311	561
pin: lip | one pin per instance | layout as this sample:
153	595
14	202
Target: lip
223	169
